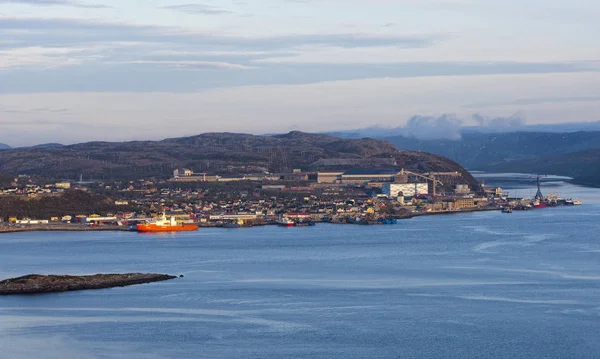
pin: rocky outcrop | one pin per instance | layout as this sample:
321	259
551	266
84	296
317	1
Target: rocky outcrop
38	284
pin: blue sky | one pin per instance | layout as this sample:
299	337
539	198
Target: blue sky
73	71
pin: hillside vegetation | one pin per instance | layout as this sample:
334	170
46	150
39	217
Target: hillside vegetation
68	203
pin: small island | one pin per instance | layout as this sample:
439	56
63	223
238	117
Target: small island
39	284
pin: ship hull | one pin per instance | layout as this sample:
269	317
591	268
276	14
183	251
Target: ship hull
154	228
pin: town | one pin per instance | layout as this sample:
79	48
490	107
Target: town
355	196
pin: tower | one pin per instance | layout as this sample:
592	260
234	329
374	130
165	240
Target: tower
539	194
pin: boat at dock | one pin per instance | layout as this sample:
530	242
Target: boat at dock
285	222
539	204
507	210
164	224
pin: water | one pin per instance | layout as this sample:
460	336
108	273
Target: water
483	285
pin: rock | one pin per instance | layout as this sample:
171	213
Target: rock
38	284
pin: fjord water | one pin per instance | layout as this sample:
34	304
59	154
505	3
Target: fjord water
483	285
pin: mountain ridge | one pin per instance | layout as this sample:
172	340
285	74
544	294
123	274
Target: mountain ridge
479	151
583	166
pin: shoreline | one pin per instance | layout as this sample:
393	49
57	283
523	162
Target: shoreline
80	228
58	228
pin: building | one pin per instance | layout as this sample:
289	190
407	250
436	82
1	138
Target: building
329	177
63	185
32	221
100	220
464	203
358	176
462	189
232	217
182	172
407	189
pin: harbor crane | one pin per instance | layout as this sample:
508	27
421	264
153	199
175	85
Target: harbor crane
432	179
431	176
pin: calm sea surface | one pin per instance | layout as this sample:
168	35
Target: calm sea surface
484	285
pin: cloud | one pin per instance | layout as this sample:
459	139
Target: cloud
41	31
34	110
429	127
535	101
331	106
46	57
54	43
514	122
55	3
194	64
450	127
198	9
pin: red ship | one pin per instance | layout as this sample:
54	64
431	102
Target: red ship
164	224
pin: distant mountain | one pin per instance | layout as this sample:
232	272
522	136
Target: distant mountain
480	151
215	153
385	132
583	166
4	147
47	145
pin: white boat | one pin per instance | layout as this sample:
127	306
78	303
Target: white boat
573	202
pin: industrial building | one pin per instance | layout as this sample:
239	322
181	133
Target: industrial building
392	190
329	177
357	176
182	172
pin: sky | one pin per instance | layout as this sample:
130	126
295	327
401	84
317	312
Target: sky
113	70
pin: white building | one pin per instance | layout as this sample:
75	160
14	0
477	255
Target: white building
63	185
408	189
462	189
182	172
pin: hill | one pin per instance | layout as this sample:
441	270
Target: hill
4	147
583	166
68	203
214	153
47	145
480	151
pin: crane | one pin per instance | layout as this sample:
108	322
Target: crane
434	175
432	178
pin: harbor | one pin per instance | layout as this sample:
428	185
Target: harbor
367	198
285	287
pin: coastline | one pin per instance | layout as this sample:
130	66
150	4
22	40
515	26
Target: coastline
63	227
58	228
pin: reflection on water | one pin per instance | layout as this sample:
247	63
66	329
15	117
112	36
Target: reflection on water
481	285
